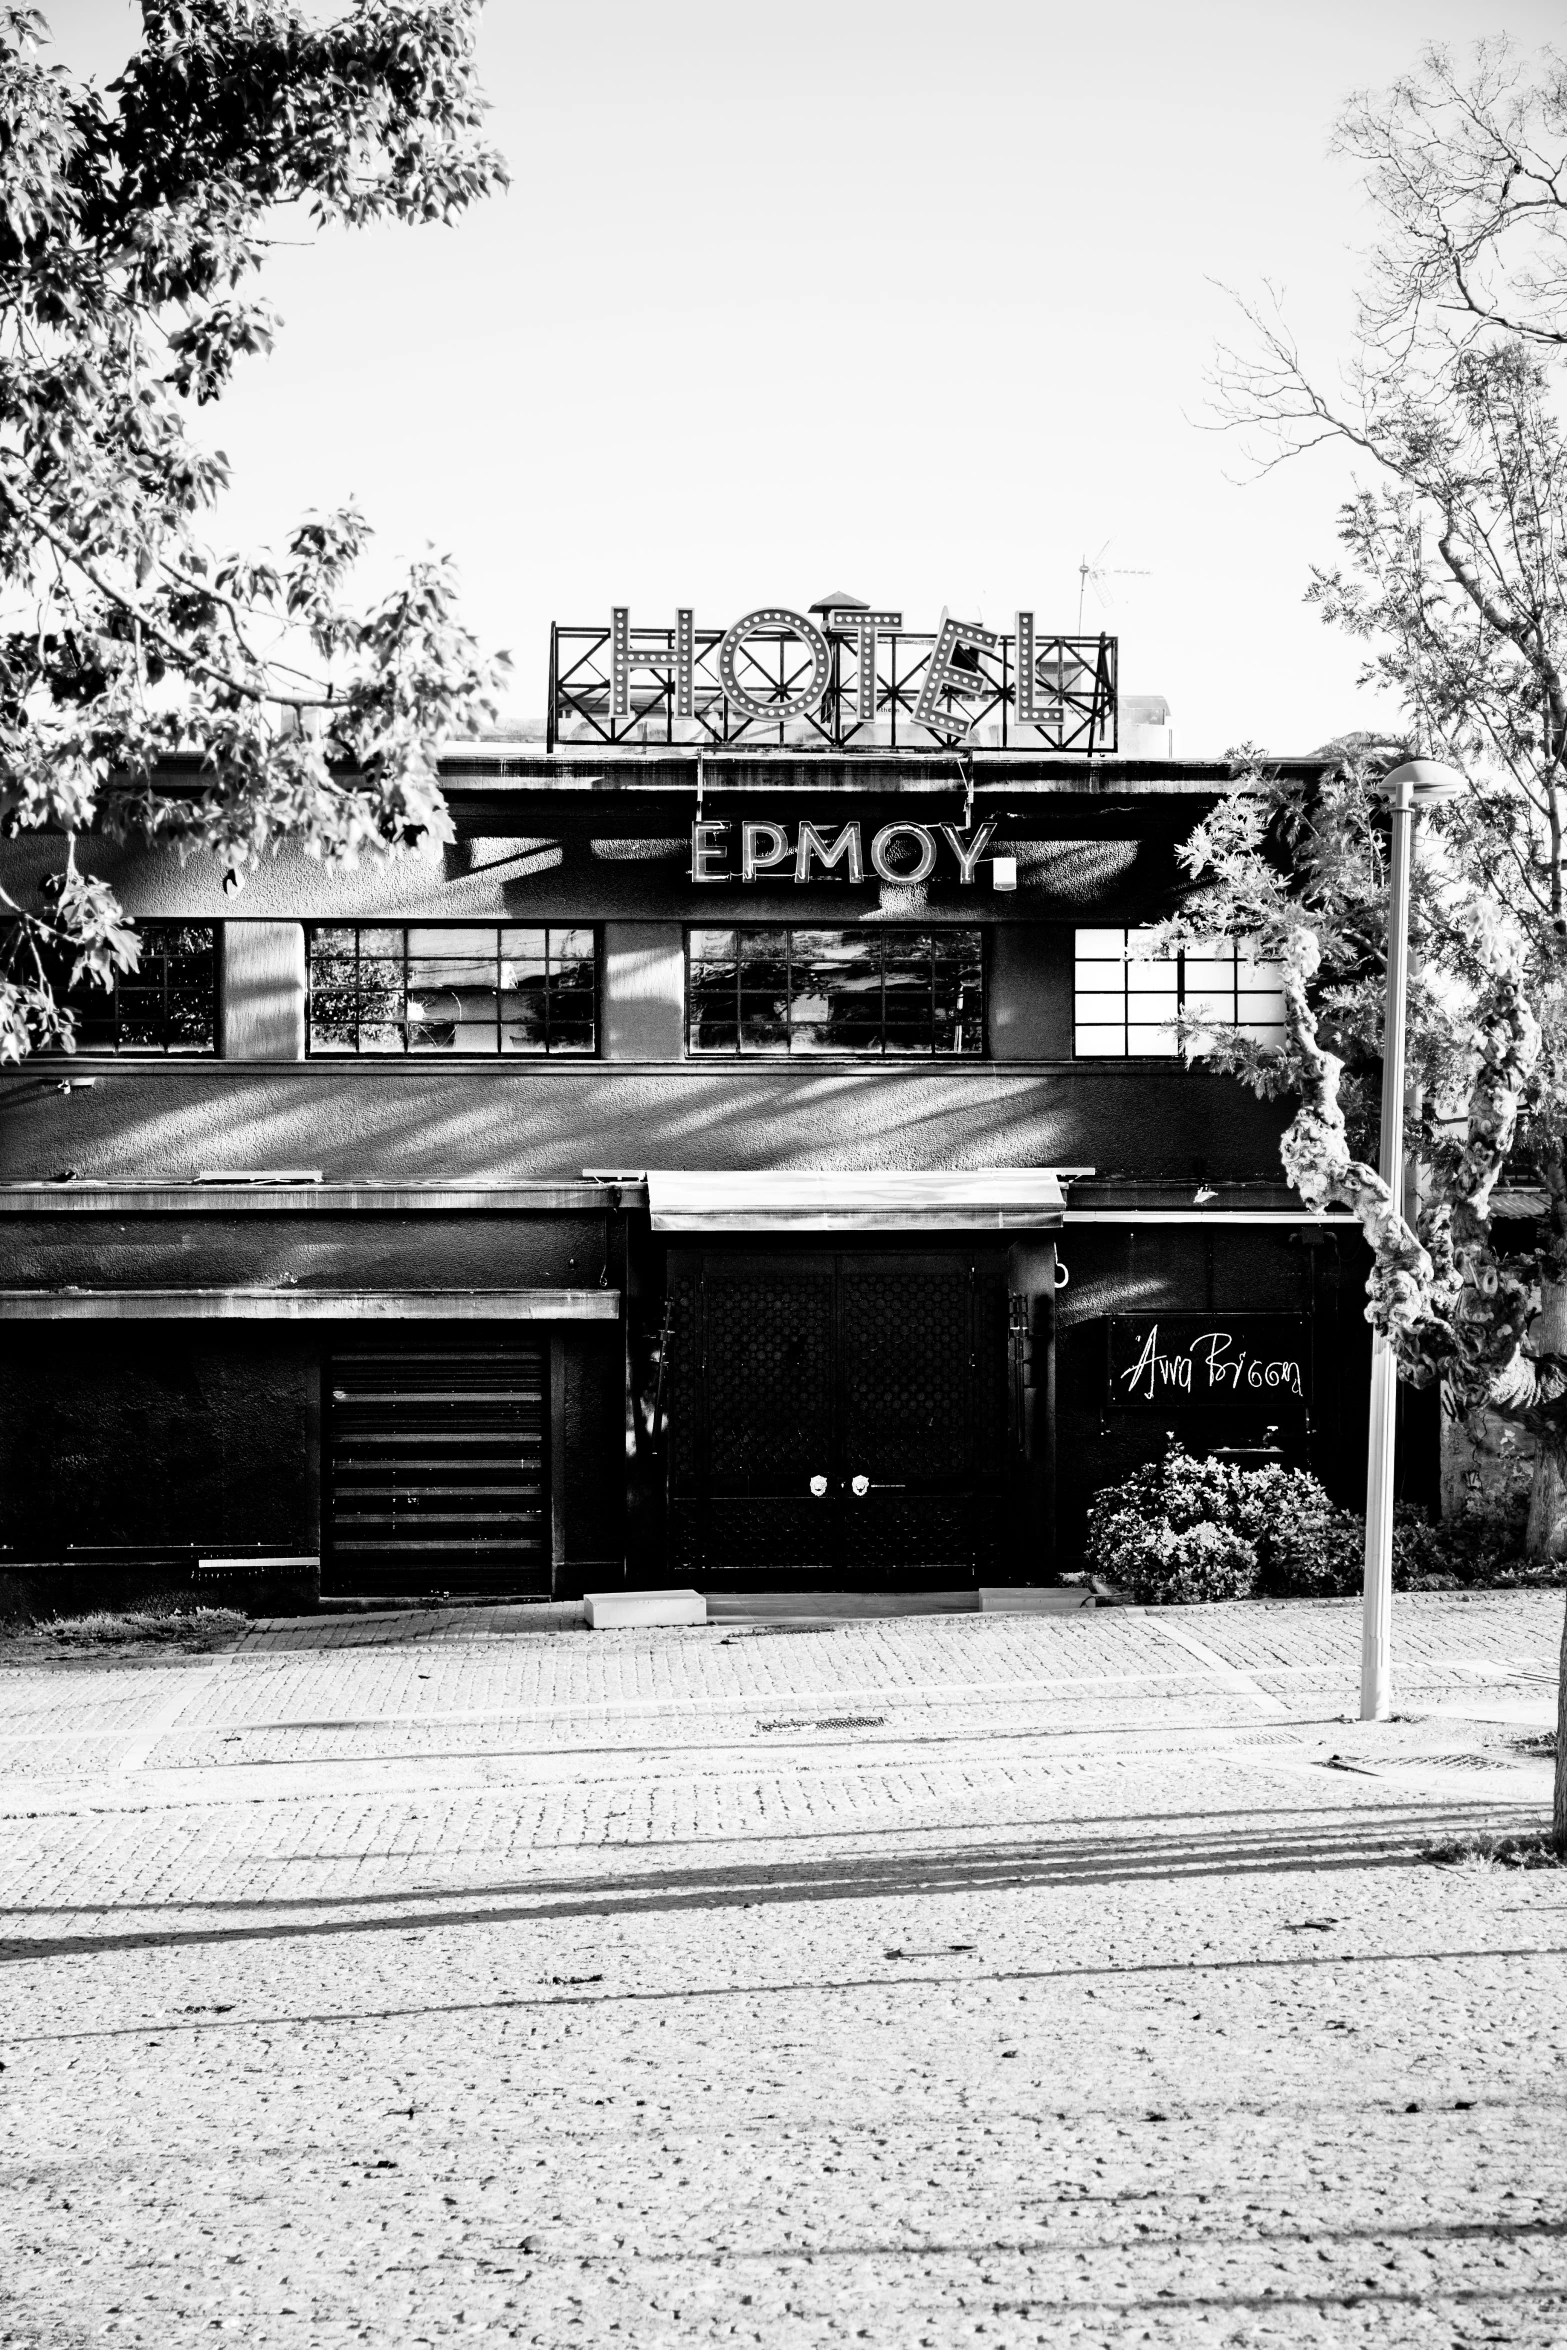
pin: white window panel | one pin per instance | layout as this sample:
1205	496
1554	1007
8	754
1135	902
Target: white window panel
1128	999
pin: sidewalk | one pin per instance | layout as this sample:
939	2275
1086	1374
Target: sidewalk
969	1979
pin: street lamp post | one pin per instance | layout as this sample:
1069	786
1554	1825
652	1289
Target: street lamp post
1415	785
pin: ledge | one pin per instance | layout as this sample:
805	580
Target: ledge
309	1305
404	1067
98	1196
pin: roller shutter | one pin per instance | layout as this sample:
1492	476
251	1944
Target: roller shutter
437	1470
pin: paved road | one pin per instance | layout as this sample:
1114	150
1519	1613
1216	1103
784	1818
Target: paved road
966	1980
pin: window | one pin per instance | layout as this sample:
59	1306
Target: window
836	991
1127	998
168	1004
489	989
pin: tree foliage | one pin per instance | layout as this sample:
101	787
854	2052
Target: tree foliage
134	222
1452	579
1466	168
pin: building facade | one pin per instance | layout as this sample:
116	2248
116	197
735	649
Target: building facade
756	1152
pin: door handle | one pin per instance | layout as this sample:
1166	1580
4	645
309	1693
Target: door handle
819	1488
861	1485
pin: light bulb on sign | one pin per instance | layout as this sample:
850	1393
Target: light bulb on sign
1003	872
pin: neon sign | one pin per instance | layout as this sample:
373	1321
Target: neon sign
844	678
902	853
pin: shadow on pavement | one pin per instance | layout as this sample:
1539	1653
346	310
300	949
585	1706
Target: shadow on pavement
1394	1834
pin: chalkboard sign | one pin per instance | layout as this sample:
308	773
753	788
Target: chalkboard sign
1209	1362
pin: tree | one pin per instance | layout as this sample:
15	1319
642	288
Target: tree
133	223
1453	579
1468	172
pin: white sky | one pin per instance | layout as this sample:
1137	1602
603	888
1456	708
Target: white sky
892	296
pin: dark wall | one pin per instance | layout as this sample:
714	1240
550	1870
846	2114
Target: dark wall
605	856
591	1426
167	1435
159	1434
350	1250
1030	1006
1227	1270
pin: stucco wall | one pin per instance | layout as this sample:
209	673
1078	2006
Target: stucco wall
497	1122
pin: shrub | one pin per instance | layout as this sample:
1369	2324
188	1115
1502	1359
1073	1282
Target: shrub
1169	1532
1182	1529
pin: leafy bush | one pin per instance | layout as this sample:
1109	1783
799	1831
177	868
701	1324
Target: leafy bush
1476	1549
1181	1529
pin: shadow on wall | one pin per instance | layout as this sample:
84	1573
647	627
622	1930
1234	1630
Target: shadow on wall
388	1121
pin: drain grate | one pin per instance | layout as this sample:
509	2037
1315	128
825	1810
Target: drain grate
830	1722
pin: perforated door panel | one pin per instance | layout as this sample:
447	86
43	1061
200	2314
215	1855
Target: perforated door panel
788	1366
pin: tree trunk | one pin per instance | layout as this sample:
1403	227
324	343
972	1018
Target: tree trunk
1546	1537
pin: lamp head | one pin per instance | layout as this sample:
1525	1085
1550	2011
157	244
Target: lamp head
1425	781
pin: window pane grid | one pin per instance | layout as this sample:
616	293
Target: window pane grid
168	1004
892	993
1127	1000
469	989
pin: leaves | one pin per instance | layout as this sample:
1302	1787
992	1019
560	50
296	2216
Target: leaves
150	689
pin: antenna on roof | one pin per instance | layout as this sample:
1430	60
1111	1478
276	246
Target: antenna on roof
1094	574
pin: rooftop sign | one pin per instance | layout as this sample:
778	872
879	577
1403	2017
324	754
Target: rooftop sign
842	678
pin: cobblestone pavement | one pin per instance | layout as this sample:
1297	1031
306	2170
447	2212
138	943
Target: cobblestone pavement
914	1983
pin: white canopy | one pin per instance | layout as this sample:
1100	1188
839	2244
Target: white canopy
794	1199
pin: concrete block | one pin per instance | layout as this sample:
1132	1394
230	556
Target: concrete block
1033	1599
613	1611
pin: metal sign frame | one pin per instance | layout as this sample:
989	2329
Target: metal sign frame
852	683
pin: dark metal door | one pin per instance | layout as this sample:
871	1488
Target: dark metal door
909	1339
436	1469
836	1415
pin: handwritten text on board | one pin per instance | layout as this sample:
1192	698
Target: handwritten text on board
1191	1361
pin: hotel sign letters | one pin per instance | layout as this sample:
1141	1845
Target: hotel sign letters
951	669
761	850
845	677
1209	1362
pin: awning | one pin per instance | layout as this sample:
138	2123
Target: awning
789	1199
